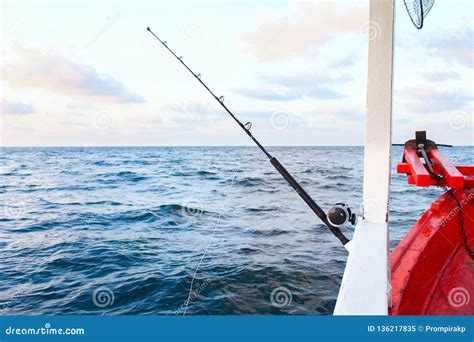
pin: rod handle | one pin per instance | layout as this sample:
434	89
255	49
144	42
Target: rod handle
307	198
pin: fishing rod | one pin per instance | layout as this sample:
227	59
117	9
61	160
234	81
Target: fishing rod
338	215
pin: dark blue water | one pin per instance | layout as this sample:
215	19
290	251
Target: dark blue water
122	230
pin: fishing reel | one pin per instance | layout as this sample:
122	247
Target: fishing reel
339	214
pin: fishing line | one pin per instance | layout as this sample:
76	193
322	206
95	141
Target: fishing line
276	164
205	252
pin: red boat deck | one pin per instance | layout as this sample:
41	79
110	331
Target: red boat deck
432	273
451	295
433	267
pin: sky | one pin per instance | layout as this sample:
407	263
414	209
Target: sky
87	73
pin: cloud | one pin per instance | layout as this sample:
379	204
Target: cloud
16	108
322	92
287	88
440	76
455	46
350	113
343	112
308	79
311	24
211	111
337	116
315	85
194	107
33	68
282	94
296	86
347	61
423	99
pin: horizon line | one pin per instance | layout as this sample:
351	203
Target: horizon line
106	146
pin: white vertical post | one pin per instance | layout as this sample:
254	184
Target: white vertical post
378	120
365	288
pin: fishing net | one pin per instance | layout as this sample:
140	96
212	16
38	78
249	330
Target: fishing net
418	10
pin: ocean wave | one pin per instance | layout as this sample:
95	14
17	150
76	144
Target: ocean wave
246	182
127	176
141	222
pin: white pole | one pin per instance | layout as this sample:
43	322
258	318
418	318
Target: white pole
378	119
365	288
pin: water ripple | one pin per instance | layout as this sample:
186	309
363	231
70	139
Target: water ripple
135	222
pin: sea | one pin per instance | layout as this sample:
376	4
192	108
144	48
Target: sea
182	230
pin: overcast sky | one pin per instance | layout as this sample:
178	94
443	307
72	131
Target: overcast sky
80	73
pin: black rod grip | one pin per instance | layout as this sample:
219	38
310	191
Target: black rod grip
307	198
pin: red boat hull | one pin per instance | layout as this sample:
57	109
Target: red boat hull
432	272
